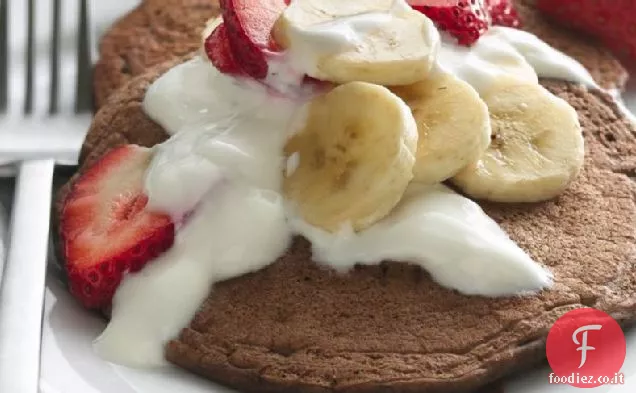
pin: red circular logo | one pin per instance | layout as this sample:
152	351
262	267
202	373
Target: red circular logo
585	348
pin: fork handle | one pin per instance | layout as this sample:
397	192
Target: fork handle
22	290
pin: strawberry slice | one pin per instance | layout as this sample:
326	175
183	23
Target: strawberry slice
612	21
217	47
249	24
503	13
466	20
433	3
105	228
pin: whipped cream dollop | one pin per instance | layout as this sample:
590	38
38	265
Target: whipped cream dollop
220	175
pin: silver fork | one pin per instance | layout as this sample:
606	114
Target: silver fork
41	94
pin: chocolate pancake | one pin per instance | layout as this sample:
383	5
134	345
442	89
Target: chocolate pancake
159	30
156	31
298	326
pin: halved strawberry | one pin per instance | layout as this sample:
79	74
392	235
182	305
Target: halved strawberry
217	47
249	24
433	3
612	21
105	229
466	20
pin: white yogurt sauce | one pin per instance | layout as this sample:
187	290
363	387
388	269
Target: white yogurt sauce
224	161
501	51
620	102
443	232
309	45
237	229
504	51
329	38
224	164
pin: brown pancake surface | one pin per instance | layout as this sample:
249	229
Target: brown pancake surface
153	33
160	30
296	326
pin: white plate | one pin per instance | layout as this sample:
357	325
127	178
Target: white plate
70	366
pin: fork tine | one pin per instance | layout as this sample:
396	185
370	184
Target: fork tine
83	94
4	55
55	58
69	61
17	40
40	42
28	98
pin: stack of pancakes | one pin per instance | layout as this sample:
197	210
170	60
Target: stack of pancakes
297	326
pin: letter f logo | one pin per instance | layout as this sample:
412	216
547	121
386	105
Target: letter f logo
583	344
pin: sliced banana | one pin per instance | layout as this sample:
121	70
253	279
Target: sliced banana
378	41
452	122
536	148
353	157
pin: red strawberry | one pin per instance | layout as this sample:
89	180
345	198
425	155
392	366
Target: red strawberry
466	20
502	13
611	20
104	228
249	24
217	47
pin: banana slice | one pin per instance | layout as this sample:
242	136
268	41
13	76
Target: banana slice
353	158
378	41
536	148
452	122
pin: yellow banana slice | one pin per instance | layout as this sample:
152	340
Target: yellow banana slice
452	122
353	157
536	148
377	41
